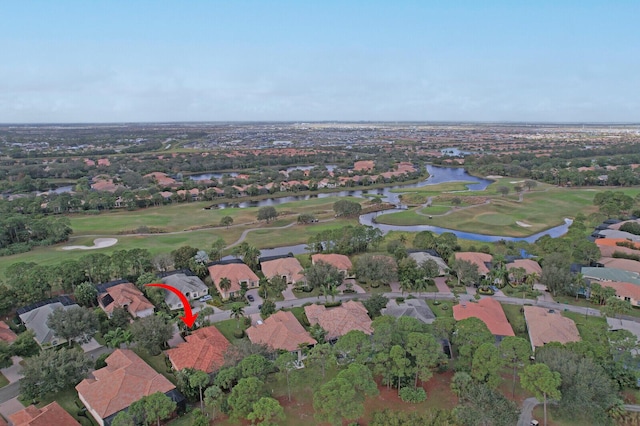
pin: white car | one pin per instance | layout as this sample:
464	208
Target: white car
205	298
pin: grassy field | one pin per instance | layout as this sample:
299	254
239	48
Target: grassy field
541	210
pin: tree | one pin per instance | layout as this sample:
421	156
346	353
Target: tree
267	213
542	382
616	306
198	418
243	395
237	312
158	406
199	379
426	353
226	221
53	371
267	411
555	273
151	333
286	363
375	304
355	346
530	184
424	240
213	397
255	365
248	253
123	418
469	335
75	323
323	274
486	365
217	248
504	190
225	284
268	308
25	345
116	337
443	328
371	268
321	355
466	272
346	208
515	351
182	256
86	294
484	406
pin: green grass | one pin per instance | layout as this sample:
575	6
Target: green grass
437	308
158	363
68	399
228	327
3	381
516	319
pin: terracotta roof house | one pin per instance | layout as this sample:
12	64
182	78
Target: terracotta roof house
546	325
203	350
125	295
340	261
6	334
488	311
287	267
481	260
619	263
281	331
364	165
236	272
625	291
530	266
161	178
49	415
340	320
35	318
125	380
185	281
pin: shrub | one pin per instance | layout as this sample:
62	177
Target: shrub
631	227
399	300
100	362
375	284
486	291
238	333
332	304
247	321
413	395
621	255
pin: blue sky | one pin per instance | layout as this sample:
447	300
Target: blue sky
113	61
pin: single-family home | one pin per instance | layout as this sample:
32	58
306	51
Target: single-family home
125	380
530	266
629	265
238	275
490	312
281	331
481	260
35	317
421	256
414	308
203	350
185	281
610	274
340	320
123	294
339	261
287	267
49	415
625	291
548	325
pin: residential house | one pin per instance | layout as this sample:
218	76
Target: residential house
203	350
125	380
548	325
481	260
6	334
610	274
123	294
340	320
629	265
530	266
490	312
237	273
187	282
624	291
289	268
281	331
424	255
35	317
414	308
339	261
49	415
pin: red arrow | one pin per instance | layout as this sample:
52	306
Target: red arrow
188	318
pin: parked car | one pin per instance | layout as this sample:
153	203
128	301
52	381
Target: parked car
250	298
205	298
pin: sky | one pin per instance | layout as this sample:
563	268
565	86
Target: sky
86	61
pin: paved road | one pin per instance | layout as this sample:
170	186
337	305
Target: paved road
10	391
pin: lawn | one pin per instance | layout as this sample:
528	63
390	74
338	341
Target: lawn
68	399
228	327
541	210
158	363
437	307
516	319
3	381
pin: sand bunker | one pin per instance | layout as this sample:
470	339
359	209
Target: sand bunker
97	244
494	177
516	181
524	225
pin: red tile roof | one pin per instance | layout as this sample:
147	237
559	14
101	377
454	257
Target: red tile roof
340	320
619	263
280	331
286	266
623	289
235	272
364	165
545	327
488	311
340	261
124	380
476	258
49	415
6	334
203	350
530	266
127	294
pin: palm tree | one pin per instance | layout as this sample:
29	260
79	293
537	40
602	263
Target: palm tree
237	312
225	285
115	338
